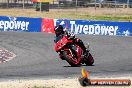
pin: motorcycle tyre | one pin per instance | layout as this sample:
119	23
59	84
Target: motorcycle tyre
89	61
70	62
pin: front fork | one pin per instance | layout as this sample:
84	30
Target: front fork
87	46
83	57
61	55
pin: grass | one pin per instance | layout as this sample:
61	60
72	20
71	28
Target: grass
109	18
104	17
82	14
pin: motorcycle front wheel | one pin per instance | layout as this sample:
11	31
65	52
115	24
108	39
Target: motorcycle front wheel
73	61
89	61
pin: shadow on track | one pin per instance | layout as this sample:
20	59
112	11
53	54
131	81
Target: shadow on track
78	66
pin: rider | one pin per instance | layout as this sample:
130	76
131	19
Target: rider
59	31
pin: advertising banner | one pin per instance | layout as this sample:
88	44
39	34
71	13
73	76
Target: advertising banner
20	24
47	25
96	27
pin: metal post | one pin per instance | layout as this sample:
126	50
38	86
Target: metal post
95	8
76	7
115	6
100	4
7	3
127	3
95	4
53	2
76	3
23	4
59	8
40	6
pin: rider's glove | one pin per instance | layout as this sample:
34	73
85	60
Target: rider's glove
71	35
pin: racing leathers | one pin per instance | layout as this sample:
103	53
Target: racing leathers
75	40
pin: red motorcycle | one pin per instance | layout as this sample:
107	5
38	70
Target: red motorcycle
72	53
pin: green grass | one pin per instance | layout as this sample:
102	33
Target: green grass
127	18
73	15
86	16
109	18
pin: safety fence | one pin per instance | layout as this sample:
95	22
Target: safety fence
26	24
68	3
16	4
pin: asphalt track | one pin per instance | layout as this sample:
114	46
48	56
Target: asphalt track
36	57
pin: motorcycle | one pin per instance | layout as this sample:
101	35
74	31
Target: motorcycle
72	53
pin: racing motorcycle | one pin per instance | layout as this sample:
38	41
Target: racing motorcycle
72	53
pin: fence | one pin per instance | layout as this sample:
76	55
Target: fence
16	3
69	3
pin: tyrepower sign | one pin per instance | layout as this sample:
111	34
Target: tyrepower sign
97	27
20	24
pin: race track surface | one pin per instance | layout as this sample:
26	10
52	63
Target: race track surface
36	57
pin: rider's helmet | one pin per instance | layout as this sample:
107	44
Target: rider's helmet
59	30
